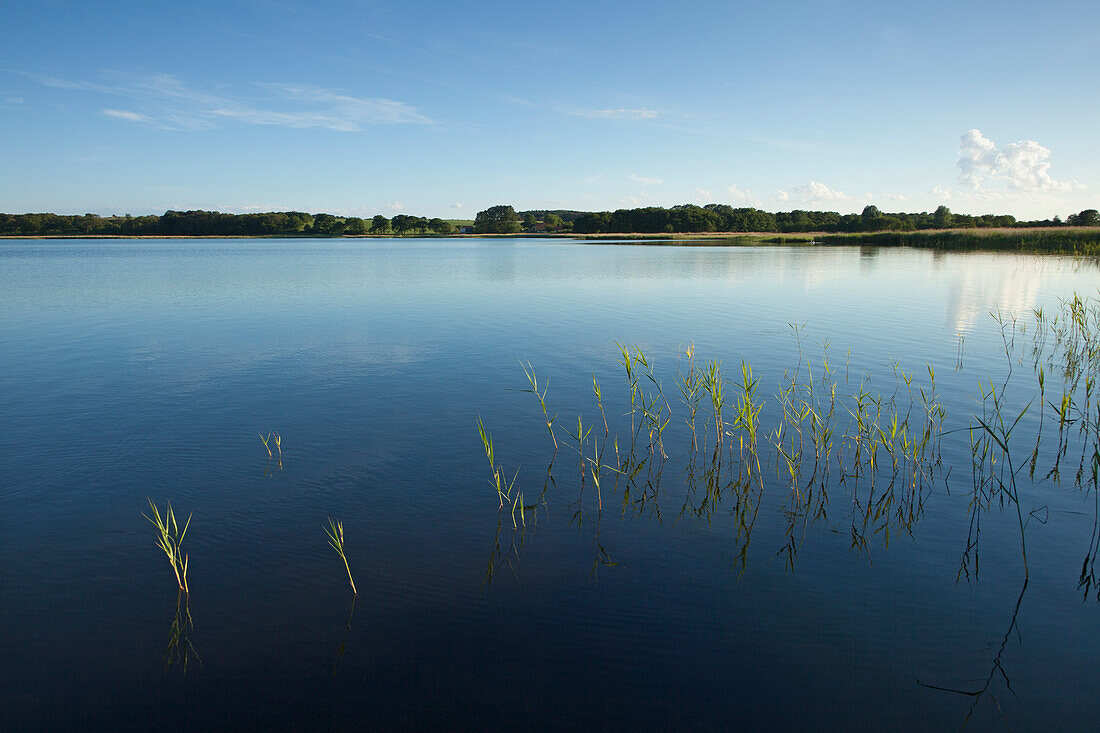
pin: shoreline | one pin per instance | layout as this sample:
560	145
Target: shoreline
1061	240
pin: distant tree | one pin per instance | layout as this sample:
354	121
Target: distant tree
595	223
740	220
497	220
529	222
942	219
1086	218
299	221
405	224
354	225
440	226
326	225
692	218
553	222
871	218
379	225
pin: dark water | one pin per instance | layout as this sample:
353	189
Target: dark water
145	369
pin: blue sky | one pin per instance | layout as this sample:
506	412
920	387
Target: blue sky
442	109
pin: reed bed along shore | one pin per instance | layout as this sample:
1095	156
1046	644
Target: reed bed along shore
1073	241
1082	241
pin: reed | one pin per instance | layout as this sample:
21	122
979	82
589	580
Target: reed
532	380
715	388
580	438
500	482
883	443
272	435
654	408
335	533
691	387
169	539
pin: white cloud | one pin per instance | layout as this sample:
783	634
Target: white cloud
1021	165
645	180
738	195
742	196
123	114
816	195
812	193
703	196
456	206
166	102
395	206
1037	204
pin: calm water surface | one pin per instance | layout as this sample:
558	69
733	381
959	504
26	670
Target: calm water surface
145	369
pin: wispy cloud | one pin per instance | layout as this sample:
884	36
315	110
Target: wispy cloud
621	113
166	102
605	113
123	114
800	146
1022	165
645	180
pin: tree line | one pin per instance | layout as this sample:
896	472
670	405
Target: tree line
503	219
725	218
215	223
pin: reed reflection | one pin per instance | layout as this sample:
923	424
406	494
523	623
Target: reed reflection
996	672
180	651
343	648
272	438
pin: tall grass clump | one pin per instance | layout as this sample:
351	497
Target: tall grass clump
654	408
712	383
170	538
335	532
691	386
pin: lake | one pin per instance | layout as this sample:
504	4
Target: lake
922	573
